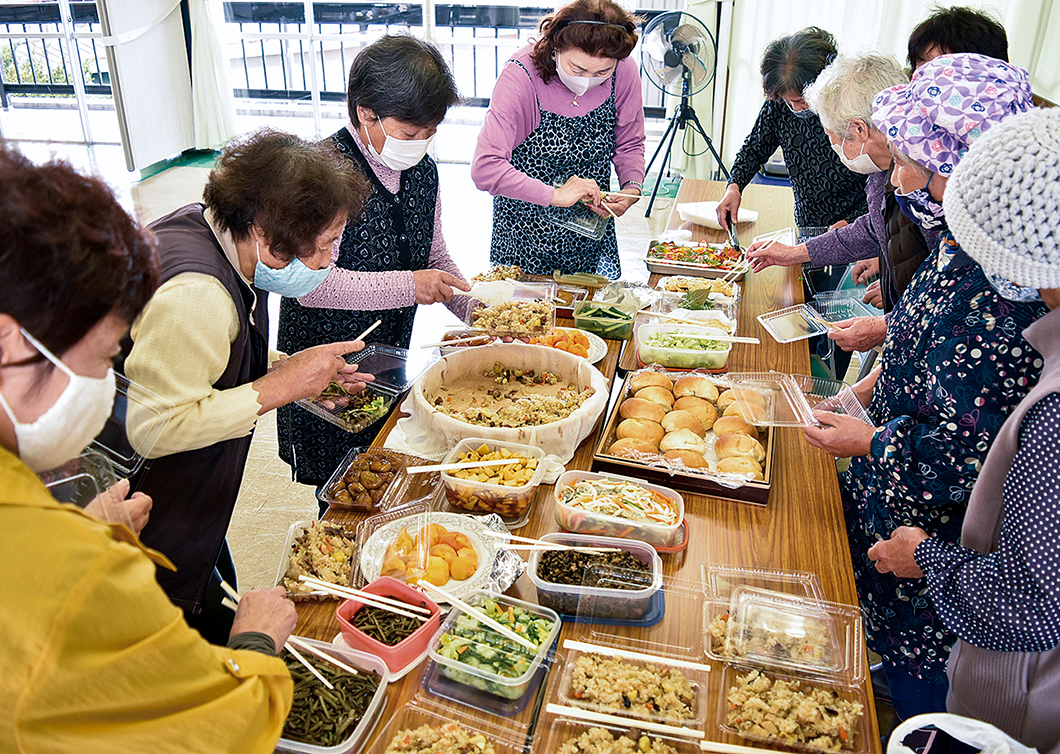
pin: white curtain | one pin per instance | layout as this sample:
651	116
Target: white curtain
213	107
862	25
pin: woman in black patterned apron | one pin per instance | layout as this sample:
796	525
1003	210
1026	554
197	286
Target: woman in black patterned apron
394	256
564	109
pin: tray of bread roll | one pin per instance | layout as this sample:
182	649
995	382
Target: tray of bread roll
687	430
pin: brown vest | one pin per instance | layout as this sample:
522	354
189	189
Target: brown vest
1019	692
195	491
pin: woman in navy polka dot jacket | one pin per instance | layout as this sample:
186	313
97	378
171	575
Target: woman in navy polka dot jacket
999	590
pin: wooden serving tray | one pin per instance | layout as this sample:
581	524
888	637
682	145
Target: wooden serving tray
751	491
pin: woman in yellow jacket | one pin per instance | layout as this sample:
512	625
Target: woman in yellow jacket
95	657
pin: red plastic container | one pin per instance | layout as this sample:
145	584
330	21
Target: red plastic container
407	651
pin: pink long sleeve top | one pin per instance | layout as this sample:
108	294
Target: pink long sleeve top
373	291
513	114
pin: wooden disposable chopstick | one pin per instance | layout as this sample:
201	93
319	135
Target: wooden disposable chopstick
307	647
477	614
367	599
625	722
621	193
628	654
734	273
468	339
773	239
234	598
461	465
363	335
824	322
555	545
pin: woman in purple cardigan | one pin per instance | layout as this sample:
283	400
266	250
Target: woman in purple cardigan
564	109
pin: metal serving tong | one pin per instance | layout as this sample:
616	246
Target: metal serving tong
733	240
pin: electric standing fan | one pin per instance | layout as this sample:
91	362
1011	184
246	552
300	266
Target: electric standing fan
679	57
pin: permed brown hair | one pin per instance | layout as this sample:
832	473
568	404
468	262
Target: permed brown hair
70	254
602	40
292	189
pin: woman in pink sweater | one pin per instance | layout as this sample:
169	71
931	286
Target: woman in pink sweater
564	109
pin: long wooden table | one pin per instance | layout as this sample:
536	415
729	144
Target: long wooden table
800	529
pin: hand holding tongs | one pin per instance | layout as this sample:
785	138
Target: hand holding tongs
733	240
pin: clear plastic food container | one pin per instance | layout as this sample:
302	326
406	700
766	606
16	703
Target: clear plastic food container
564	729
744	712
789	400
613	321
293	533
360	733
720	581
531	310
656	690
405	652
793	323
425	725
834	309
348	490
682	358
480	657
508	501
609	602
575	518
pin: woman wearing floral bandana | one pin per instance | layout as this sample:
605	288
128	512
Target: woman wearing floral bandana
955	365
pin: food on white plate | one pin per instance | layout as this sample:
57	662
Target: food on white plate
659	395
741	465
735	444
683	420
641	429
641	408
727	424
565	339
435	554
509	397
647	378
700	408
683	439
696	385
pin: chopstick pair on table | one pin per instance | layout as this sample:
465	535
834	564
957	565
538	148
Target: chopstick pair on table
294	643
526	543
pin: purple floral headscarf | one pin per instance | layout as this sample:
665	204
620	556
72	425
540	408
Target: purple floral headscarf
951	101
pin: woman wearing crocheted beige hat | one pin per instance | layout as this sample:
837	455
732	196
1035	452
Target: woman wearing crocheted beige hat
999	590
954	366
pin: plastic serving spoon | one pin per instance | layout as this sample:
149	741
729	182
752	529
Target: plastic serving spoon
493	293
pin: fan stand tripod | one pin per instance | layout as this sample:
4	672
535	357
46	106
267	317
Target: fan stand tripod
683	116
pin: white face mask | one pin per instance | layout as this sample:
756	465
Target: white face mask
399	154
577	84
73	421
861	164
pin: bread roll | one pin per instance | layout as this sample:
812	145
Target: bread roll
741	465
749	411
697	385
749	396
659	395
683	420
648	378
641	408
689	458
641	429
727	424
630	446
700	408
734	444
683	439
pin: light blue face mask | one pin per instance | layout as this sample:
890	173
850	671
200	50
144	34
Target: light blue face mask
293	281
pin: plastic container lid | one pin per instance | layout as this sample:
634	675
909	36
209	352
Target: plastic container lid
792	324
837	308
512	504
579	219
394	369
361	661
582	520
789	400
463	729
563	730
413	648
476	642
720	581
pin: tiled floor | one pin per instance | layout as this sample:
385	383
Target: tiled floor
268	500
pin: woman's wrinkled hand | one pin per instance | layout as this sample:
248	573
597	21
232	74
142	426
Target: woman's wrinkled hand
433	286
839	434
115	506
266	611
578	190
763	254
895	555
859	333
874	295
729	206
306	374
865	270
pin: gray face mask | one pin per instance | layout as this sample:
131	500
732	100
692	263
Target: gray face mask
1009	290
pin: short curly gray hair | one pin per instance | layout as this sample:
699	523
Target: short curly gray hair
844	90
